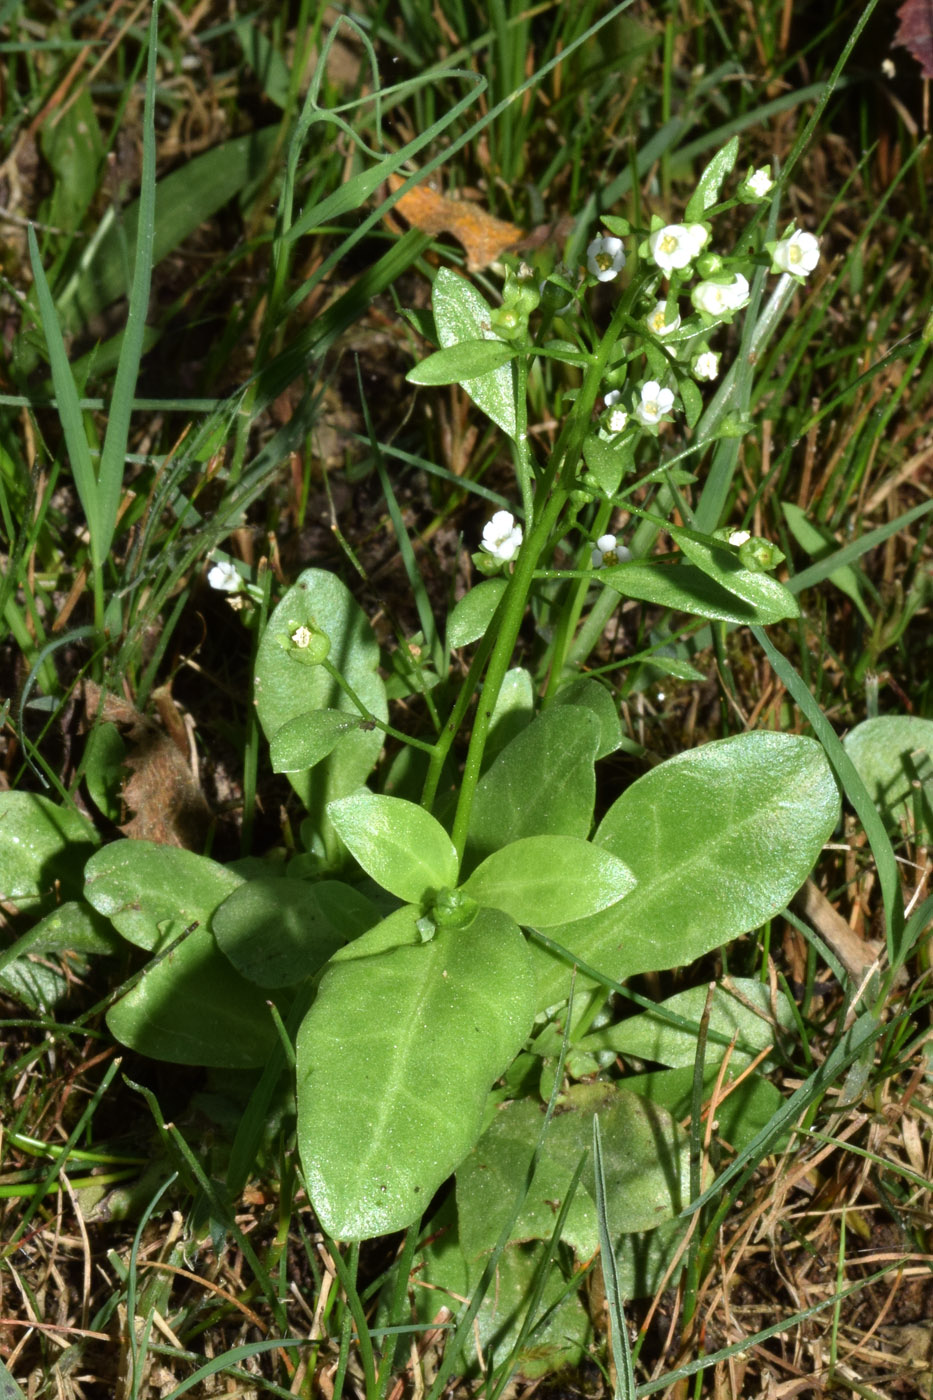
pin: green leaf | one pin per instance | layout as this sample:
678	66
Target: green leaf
542	784
152	893
471	616
562	1328
607	464
461	314
395	1060
688	589
514	710
692	401
489	1181
104	756
770	599
718	839
651	1036
460	363
285	689
73	928
278	932
40	843
818	543
304	741
191	1008
710	182
399	844
549	880
892	755
593	695
742	1109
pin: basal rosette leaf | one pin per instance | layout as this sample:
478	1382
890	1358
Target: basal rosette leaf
395	1060
718	839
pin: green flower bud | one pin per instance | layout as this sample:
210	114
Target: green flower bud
454	909
305	643
709	265
759	555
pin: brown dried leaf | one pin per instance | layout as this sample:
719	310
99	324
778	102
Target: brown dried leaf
167	803
484	237
915	32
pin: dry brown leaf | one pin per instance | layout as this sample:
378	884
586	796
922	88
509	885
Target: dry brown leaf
915	32
484	237
167	803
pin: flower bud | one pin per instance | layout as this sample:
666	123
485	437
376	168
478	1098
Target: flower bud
759	555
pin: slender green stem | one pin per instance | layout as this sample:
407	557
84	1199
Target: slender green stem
570	613
452	727
368	715
524	463
554	491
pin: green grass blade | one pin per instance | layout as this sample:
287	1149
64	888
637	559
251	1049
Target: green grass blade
66	392
113	454
621	1350
857	793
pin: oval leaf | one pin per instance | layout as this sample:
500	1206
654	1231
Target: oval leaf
543	783
688	589
770	599
399	844
285	689
40	843
474	612
192	1008
278	932
410	1041
892	754
460	363
460	313
550	879
307	739
718	839
151	893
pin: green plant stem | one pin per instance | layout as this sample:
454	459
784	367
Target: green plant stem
368	715
451	728
570	613
523	458
554	490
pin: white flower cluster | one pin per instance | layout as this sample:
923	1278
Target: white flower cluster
502	538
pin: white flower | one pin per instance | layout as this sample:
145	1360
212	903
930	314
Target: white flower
719	298
617	420
675	246
608	551
612	397
798	253
759	182
739	537
225	577
655	402
605	258
502	538
706	365
657	323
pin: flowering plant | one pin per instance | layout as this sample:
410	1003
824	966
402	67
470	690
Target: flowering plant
418	940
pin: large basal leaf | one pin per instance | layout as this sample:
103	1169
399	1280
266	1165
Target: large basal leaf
549	879
742	1007
718	839
399	844
562	1327
40	843
191	1008
892	754
743	1107
395	1060
542	784
278	932
460	314
593	695
152	893
285	688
